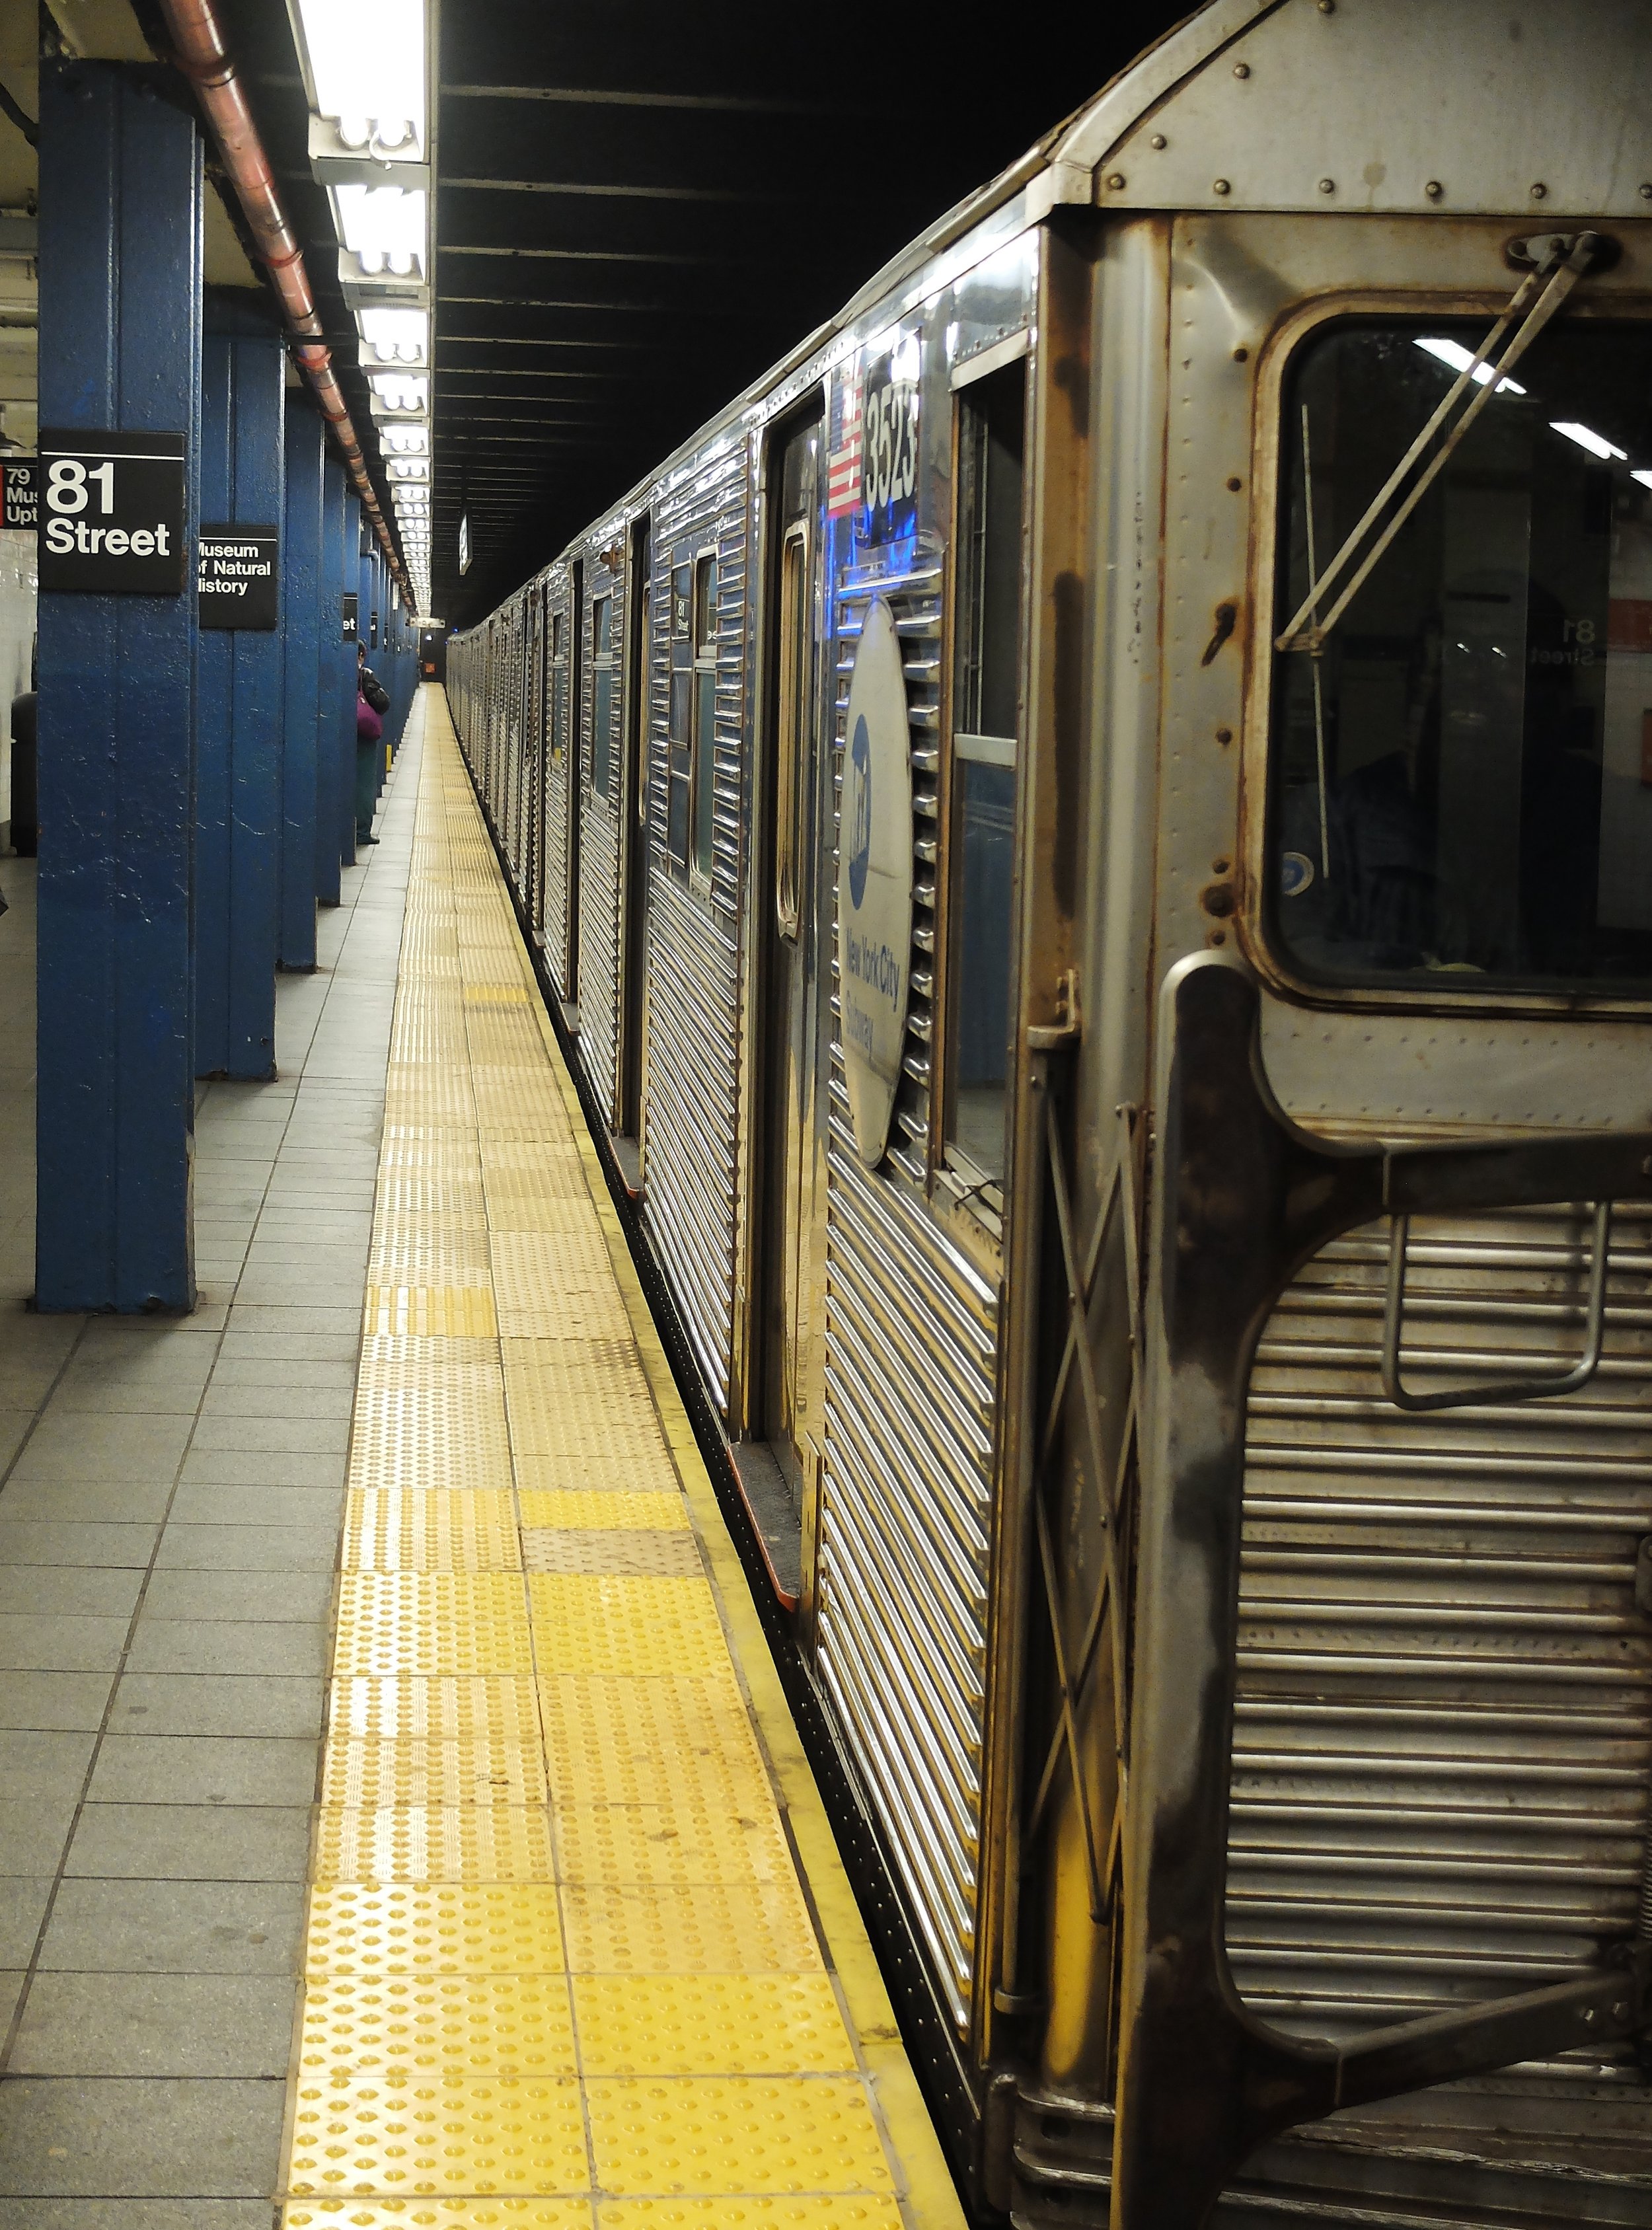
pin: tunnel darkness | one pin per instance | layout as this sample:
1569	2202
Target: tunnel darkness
642	206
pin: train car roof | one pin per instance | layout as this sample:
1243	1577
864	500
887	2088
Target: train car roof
1377	106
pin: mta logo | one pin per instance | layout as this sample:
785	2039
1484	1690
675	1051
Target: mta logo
860	811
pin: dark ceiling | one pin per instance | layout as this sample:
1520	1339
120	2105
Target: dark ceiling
641	205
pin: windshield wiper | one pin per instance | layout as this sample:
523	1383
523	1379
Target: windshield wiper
1562	270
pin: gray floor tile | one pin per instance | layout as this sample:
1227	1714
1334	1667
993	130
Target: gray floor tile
23	1907
68	1591
191	1842
340	1320
275	1434
249	1549
57	1701
268	1350
202	1503
218	1704
110	1502
242	1404
40	1767
61	1645
59	1543
11	1990
202	1770
148	2025
213	2139
174	1928
264	1467
83	1447
229	1645
32	1835
177	2213
282	1598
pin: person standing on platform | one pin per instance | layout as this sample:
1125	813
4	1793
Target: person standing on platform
371	704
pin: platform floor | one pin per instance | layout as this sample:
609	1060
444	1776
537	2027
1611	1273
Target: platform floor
576	1947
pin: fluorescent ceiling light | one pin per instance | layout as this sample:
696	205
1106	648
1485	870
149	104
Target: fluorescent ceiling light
1459	358
1645	478
366	61
401	390
384	228
405	441
410	469
1586	438
396	335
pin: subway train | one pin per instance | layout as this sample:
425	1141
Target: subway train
1089	838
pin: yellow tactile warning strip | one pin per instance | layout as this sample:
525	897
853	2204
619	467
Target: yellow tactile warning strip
564	1967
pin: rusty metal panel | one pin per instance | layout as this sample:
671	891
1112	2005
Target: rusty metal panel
1441	1769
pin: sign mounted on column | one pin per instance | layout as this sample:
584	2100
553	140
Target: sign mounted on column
22	484
351	619
112	513
236	580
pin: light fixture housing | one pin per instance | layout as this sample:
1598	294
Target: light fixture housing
384	253
367	76
394	339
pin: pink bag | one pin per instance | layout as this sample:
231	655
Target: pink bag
369	728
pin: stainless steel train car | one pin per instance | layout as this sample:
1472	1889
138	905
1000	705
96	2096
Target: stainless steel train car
1093	839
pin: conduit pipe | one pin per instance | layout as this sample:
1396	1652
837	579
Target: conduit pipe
202	54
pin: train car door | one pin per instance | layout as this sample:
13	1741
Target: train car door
791	1318
577	762
633	898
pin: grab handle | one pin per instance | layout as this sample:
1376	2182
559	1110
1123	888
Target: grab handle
1526	1386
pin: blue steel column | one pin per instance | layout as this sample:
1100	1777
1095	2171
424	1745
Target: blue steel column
301	581
332	790
120	220
350	582
238	779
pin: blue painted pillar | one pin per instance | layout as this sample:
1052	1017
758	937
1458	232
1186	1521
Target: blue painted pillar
120	217
238	775
350	583
333	780
301	608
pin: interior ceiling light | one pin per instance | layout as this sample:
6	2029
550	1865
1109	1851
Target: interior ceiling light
1459	358
384	228
365	65
410	469
395	336
1586	438
400	390
405	441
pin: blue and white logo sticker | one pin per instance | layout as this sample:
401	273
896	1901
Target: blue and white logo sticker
1295	873
874	883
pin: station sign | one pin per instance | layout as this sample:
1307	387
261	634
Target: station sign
351	621
21	484
112	513
237	582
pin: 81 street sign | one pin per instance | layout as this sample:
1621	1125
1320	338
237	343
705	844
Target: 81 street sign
112	513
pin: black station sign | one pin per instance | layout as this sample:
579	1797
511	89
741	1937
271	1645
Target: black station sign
22	487
112	513
352	626
236	577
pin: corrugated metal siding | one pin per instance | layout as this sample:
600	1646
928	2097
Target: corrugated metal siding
1443	1753
691	1112
911	1358
599	862
557	850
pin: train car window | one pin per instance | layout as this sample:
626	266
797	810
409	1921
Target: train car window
986	684
601	694
1460	781
679	715
558	686
793	685
705	712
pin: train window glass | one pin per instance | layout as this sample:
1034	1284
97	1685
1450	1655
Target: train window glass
679	751
705	713
1462	780
986	684
792	682
601	694
558	686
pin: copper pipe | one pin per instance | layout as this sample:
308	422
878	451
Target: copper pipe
202	55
